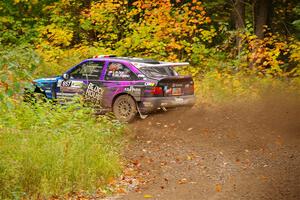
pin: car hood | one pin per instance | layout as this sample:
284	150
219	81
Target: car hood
46	80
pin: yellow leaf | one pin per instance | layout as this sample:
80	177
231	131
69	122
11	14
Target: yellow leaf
147	196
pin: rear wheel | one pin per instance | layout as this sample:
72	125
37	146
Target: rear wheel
124	108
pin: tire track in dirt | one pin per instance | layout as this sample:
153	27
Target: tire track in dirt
235	151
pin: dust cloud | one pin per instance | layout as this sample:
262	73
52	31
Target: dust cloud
236	150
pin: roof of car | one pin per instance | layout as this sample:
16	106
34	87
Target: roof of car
133	59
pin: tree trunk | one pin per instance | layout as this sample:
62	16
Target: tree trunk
262	16
239	14
239	20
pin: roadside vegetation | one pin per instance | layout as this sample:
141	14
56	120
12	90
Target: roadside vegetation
50	150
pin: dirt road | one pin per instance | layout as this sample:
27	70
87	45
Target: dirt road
235	151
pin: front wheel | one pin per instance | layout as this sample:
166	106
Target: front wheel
34	97
124	108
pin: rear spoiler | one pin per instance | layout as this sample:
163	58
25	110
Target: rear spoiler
161	64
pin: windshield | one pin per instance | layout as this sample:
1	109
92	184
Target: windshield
158	71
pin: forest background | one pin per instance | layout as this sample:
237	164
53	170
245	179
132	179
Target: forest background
222	40
238	49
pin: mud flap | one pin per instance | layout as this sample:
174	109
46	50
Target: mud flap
164	109
140	113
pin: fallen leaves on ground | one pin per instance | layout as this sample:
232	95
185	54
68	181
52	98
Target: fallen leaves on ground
147	196
218	187
182	181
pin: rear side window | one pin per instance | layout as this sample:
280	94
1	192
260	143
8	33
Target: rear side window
90	70
159	71
119	72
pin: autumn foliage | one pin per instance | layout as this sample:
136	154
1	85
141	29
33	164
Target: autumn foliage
66	31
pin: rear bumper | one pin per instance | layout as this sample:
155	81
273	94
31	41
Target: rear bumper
149	104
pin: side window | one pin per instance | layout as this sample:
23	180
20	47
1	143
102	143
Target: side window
89	70
119	72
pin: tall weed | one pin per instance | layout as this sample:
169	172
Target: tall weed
51	150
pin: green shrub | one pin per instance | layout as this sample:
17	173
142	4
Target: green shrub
51	150
17	64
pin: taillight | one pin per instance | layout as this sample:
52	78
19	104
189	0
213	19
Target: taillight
189	88
192	86
157	91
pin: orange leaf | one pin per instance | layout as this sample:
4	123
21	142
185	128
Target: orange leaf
218	187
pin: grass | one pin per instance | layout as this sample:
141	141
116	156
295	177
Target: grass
51	150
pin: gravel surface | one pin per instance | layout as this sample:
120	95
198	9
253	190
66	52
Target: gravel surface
234	151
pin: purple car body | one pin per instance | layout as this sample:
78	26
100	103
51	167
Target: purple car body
150	84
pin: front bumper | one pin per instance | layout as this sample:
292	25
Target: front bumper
149	104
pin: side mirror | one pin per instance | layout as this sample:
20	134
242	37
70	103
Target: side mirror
66	76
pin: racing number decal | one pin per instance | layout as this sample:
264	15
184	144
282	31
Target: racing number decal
70	87
66	84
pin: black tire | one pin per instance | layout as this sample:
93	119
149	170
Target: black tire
39	97
34	97
124	108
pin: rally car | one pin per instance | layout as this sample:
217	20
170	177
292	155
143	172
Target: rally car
124	85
